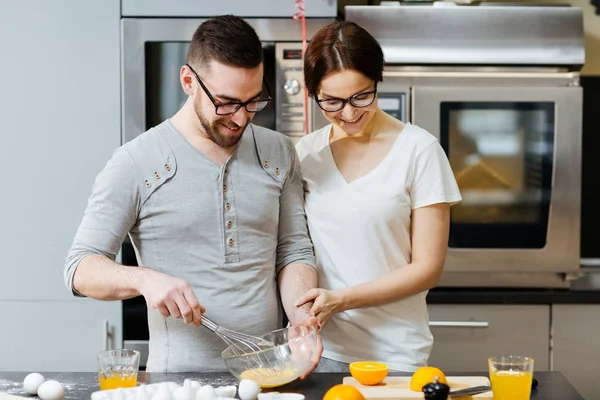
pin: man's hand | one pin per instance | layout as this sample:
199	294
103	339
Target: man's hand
325	304
172	297
303	317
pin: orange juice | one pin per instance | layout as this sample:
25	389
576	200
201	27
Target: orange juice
270	378
511	385
117	380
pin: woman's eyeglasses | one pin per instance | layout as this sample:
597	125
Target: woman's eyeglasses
358	100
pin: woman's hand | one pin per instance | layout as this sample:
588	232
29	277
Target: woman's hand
325	304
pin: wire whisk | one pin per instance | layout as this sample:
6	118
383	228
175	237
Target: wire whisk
242	344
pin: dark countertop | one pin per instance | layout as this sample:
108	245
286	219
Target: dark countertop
512	296
80	385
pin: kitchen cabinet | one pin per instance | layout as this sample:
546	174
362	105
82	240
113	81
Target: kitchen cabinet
56	336
576	345
60	112
256	8
465	336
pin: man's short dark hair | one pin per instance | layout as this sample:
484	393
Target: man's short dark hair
227	39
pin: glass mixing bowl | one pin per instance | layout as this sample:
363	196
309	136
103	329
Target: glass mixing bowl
278	364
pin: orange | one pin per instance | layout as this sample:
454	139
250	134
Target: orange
343	392
368	372
425	375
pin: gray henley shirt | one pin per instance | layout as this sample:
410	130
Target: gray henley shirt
226	230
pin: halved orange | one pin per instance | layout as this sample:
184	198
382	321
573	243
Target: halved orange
368	372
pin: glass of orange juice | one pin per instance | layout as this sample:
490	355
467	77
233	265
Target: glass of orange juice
511	377
118	368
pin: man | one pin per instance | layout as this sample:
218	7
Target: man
213	206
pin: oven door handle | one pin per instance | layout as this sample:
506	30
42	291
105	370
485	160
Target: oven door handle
459	324
107	335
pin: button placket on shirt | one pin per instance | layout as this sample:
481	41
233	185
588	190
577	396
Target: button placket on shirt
229	217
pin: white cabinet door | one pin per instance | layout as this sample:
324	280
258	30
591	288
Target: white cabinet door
60	113
57	336
576	345
465	336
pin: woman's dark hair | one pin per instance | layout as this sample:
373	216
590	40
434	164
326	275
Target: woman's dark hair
227	39
340	46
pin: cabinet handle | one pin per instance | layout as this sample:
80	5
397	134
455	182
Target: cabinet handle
459	324
106	334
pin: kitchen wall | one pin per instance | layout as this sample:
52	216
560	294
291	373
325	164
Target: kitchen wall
60	113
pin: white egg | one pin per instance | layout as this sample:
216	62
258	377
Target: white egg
51	390
119	394
163	393
185	392
195	386
142	393
248	389
226	391
152	388
206	392
32	382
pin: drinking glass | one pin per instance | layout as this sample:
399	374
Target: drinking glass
118	368
511	377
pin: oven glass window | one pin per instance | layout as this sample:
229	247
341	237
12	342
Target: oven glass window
164	95
501	154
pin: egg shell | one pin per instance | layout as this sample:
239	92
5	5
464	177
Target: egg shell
248	389
206	392
184	393
195	385
51	390
226	391
142	393
32	382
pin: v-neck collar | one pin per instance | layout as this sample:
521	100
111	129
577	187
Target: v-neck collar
334	166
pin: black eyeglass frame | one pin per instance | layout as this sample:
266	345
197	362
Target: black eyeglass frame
348	100
238	103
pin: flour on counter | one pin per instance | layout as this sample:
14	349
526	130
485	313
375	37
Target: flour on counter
12	387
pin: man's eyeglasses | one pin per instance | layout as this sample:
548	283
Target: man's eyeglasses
359	100
252	106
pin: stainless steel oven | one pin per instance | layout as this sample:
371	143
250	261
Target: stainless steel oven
153	51
499	87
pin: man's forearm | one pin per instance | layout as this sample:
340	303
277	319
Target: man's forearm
101	278
294	281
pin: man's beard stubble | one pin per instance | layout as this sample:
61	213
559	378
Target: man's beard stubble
213	133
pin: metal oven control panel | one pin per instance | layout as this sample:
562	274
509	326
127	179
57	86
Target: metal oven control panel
289	106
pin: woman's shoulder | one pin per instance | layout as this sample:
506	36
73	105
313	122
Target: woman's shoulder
417	134
313	142
416	139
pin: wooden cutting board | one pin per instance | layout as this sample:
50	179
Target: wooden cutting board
6	396
397	387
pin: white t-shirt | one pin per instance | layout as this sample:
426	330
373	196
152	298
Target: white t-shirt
361	231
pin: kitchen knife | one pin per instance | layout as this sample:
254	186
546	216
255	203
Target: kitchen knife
470	391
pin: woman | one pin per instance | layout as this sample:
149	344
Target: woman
378	196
